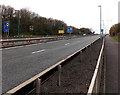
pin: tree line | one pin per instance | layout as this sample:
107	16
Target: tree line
115	30
26	22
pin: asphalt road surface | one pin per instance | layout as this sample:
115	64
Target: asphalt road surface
112	65
23	62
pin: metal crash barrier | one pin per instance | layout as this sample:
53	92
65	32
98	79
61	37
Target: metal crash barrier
26	41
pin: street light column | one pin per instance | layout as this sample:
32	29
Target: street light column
18	17
0	22
18	23
100	22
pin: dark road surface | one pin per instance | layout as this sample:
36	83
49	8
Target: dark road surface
21	63
112	66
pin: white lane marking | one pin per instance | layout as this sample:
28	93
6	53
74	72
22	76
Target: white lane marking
38	51
1	49
14	47
20	46
54	41
31	45
67	44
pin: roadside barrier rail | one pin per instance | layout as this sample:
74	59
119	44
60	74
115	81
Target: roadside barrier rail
24	41
94	87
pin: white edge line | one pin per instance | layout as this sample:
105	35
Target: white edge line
13	47
42	73
20	46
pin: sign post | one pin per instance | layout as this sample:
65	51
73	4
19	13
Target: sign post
31	28
100	21
70	30
6	27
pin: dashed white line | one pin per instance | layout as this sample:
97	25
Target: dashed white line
35	44
67	44
14	47
21	46
38	51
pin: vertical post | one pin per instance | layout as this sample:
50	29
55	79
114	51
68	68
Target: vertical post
80	55
1	21
96	86
118	11
59	75
8	33
100	21
103	27
18	22
1	51
38	86
98	78
70	34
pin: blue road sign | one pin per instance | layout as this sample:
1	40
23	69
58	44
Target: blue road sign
6	26
70	30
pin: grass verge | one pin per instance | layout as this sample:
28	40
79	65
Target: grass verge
116	38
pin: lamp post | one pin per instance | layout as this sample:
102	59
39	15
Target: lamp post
18	23
100	21
103	27
0	21
1	51
6	22
18	16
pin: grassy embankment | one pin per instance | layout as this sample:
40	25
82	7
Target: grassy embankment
116	38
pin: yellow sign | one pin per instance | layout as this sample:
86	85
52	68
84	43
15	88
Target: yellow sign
61	31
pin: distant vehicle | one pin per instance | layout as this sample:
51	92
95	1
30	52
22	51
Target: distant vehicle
84	34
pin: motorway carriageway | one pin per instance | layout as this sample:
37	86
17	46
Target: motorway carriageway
23	62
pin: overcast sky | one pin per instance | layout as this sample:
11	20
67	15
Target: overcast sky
78	13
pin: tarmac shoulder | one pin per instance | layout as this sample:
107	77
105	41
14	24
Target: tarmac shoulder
112	66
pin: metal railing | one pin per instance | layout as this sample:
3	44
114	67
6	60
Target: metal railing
94	87
24	41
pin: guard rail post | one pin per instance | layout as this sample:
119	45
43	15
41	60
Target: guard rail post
59	75
38	86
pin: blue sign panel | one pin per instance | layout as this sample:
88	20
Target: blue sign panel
70	30
6	26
